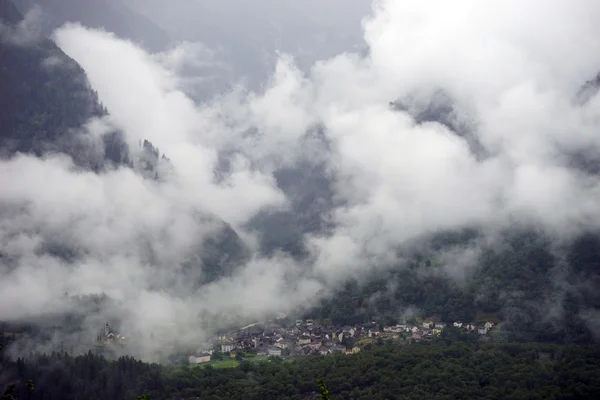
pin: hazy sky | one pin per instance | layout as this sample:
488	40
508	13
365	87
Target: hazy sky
512	68
246	34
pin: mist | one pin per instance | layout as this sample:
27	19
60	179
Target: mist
511	69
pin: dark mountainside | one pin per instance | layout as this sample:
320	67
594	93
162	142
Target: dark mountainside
111	15
311	196
539	292
45	99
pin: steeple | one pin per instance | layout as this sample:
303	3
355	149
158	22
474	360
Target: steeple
106	329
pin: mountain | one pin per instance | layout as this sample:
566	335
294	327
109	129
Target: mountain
538	290
589	89
45	101
311	198
111	15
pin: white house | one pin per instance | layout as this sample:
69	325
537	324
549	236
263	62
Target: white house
427	324
282	343
440	325
227	347
199	358
489	325
221	337
274	351
458	324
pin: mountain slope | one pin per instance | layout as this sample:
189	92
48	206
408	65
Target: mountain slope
45	98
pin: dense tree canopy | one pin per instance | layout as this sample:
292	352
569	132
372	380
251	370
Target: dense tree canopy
457	370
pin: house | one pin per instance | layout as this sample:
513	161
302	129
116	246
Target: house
436	331
203	350
221	337
427	324
489	325
323	350
274	351
199	358
304	339
227	347
471	326
482	331
348	331
458	324
371	333
309	322
440	325
299	322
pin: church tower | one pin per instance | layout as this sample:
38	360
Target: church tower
106	329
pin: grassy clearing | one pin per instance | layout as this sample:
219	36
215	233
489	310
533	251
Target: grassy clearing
224	364
231	363
219	364
257	359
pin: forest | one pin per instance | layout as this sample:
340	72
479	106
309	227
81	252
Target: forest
444	369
